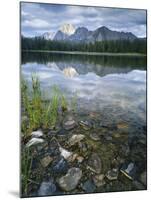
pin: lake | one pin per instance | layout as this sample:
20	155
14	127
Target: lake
110	93
116	84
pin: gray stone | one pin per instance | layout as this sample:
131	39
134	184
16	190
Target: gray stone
70	180
94	136
88	186
46	161
95	163
85	125
99	180
69	124
112	174
75	139
60	166
46	188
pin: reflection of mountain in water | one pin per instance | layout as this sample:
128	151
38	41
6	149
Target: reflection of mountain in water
70	72
83	64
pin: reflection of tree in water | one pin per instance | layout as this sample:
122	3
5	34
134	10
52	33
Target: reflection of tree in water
112	61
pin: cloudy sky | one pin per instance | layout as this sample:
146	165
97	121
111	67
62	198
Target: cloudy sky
38	18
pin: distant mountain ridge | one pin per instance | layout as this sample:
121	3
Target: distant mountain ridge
68	33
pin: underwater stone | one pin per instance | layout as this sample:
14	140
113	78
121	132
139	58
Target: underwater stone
60	166
71	179
112	174
95	163
88	186
75	139
46	161
69	124
99	180
46	188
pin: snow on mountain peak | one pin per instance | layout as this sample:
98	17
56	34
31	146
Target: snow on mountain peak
68	29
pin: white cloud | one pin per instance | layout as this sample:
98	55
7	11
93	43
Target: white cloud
36	23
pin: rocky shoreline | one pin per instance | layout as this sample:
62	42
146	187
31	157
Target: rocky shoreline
80	157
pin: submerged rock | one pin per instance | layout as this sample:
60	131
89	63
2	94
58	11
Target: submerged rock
69	124
70	180
95	163
75	139
122	125
47	188
46	161
129	170
37	134
34	141
65	153
85	125
88	186
112	174
94	136
60	166
80	159
99	180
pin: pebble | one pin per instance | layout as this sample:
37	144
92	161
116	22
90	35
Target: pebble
99	180
70	124
47	188
88	186
46	161
94	136
112	174
37	134
75	139
34	141
95	163
71	179
60	166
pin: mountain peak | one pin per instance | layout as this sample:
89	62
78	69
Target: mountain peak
68	29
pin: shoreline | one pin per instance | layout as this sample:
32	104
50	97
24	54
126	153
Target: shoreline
86	53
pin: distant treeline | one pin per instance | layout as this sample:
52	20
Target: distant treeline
119	46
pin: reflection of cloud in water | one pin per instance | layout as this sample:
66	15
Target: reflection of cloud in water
126	90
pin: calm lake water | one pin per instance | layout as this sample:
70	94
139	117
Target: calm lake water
110	94
114	86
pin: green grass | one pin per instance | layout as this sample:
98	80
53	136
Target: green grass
42	114
25	170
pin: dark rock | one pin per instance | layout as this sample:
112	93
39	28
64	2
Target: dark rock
47	188
95	163
129	170
88	186
70	180
60	166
